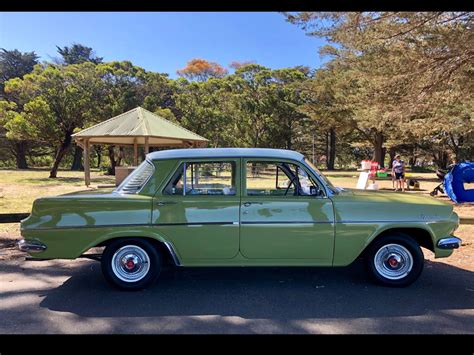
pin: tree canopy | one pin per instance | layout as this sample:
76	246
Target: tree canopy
393	82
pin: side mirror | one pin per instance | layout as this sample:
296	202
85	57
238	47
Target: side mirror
315	191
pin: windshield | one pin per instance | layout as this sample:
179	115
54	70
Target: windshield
320	175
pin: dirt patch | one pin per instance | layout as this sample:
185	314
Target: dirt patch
8	249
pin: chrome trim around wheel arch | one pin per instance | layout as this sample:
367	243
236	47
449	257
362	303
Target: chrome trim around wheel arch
31	246
449	243
173	252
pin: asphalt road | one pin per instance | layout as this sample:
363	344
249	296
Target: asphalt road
72	297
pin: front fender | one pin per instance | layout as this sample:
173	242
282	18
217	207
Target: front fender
352	238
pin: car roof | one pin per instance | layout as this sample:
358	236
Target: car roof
225	153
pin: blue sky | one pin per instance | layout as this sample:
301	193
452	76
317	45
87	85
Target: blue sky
165	41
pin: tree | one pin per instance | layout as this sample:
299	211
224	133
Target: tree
238	64
400	61
325	102
58	99
201	70
203	107
264	104
77	54
15	64
285	95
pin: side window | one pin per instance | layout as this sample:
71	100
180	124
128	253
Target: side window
306	184
206	178
277	179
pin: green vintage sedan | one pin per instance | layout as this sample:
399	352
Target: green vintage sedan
238	207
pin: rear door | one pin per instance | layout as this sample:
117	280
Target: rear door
198	210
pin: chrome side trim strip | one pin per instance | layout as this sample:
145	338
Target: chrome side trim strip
134	225
386	221
173	253
287	222
449	243
194	224
85	227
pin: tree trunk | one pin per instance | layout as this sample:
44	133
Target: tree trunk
441	158
326	147
98	151
384	152
331	149
289	134
113	162
77	161
120	156
60	154
378	148
391	153
19	151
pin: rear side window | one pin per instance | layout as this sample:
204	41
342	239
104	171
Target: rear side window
206	178
135	181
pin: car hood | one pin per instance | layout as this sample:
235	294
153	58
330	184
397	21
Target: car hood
390	196
364	205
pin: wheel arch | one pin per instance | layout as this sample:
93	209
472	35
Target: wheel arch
421	235
166	248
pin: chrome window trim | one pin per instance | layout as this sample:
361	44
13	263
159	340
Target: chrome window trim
185	184
185	163
298	163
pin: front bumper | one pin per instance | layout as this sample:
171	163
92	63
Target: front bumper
449	243
31	246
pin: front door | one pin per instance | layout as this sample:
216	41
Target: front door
198	210
284	213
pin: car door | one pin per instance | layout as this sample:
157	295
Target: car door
278	222
198	209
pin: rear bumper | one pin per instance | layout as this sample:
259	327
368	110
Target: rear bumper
449	243
31	246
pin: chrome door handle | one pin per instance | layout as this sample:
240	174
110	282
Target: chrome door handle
161	203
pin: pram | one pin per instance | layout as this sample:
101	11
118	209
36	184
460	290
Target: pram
440	188
454	182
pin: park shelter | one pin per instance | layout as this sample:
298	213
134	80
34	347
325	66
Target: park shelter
137	127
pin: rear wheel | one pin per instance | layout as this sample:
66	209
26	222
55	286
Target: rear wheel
131	264
395	260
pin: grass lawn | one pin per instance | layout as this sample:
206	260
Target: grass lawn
19	188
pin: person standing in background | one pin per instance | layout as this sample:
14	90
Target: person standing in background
398	170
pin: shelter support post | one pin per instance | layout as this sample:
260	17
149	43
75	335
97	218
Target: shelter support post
135	152
147	147
87	168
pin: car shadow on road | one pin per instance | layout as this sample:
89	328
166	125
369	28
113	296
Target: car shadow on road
276	293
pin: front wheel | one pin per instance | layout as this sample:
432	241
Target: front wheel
131	264
395	260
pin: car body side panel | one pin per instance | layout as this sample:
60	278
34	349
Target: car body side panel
360	220
70	243
199	226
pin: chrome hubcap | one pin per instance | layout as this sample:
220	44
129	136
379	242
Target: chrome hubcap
393	261
130	263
